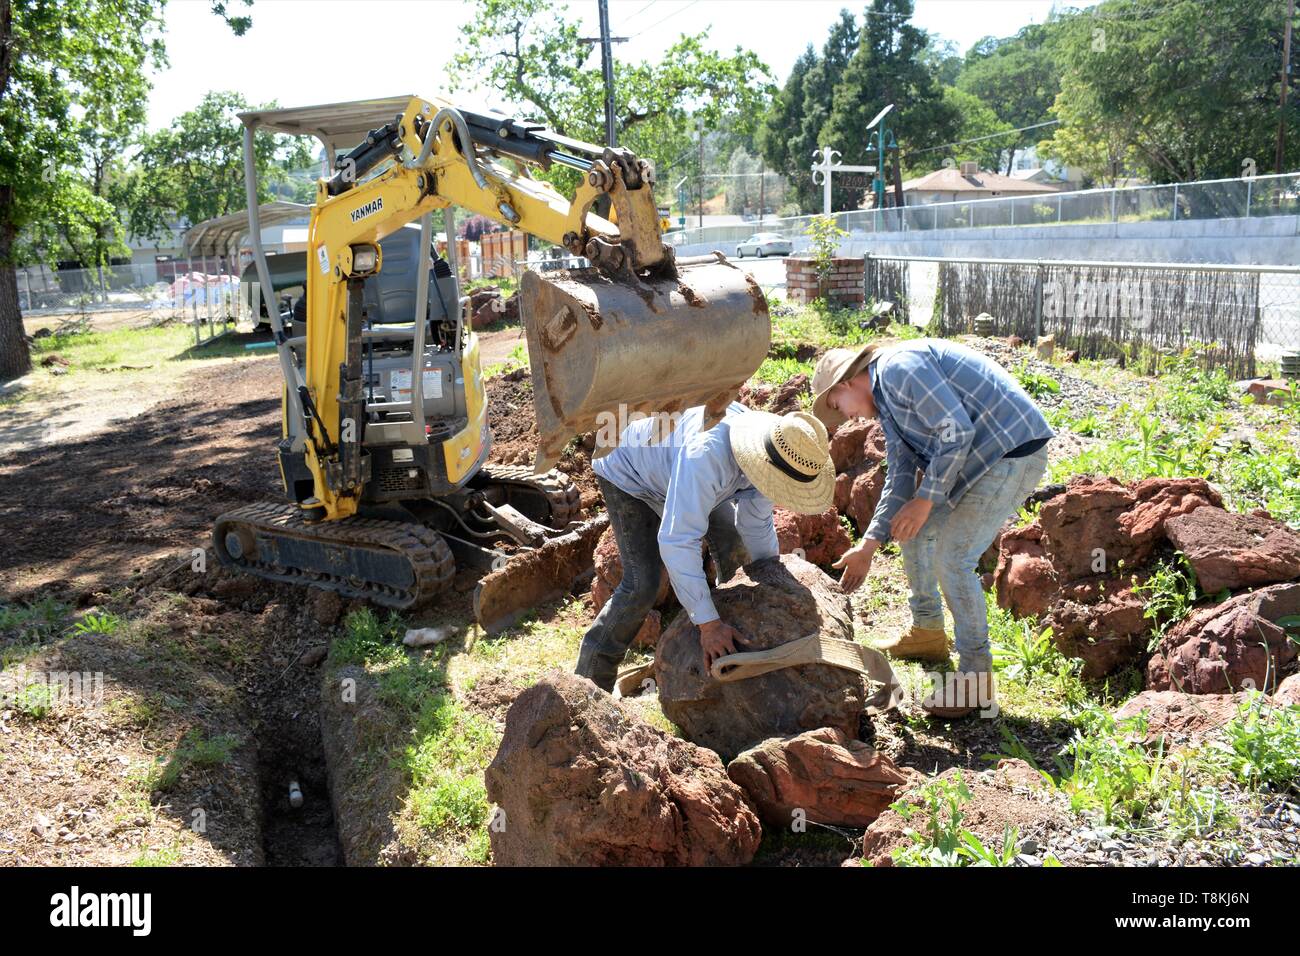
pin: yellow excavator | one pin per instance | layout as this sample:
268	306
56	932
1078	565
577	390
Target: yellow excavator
385	438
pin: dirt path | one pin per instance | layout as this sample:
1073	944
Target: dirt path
86	515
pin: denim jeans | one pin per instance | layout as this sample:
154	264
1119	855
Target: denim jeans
636	530
944	554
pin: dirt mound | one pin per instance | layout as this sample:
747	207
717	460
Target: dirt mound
579	782
820	776
1012	795
514	435
100	512
771	602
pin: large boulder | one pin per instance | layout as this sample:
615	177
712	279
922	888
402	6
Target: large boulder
580	782
856	441
1011	795
1288	692
1159	499
1228	647
1025	579
771	602
1234	551
858	491
1101	621
822	774
1099	518
1074	567
821	537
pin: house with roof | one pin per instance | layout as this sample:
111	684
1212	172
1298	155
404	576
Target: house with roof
967	181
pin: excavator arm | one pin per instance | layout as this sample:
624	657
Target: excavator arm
433	156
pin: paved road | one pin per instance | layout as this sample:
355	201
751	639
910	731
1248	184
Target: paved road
769	272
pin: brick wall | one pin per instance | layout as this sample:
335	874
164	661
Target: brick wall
843	284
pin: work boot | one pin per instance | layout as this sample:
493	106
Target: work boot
918	644
961	694
600	669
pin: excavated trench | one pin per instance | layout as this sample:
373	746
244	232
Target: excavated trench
298	826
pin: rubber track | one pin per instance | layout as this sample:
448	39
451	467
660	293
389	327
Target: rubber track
562	495
432	563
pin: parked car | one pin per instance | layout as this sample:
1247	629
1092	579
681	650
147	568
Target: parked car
764	244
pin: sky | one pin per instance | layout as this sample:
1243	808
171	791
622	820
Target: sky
302	52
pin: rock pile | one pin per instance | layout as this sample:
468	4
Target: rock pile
1076	568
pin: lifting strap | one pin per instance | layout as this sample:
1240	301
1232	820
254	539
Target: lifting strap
886	691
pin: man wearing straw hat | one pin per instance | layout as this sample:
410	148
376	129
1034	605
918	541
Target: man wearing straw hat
965	446
666	497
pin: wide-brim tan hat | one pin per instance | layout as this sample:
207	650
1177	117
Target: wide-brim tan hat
787	458
836	366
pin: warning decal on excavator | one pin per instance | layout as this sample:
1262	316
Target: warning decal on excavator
322	254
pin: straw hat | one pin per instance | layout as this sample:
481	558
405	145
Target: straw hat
787	458
838	365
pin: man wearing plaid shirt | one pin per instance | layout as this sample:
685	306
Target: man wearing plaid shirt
965	445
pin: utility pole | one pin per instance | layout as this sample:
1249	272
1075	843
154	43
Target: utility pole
1286	77
700	188
606	68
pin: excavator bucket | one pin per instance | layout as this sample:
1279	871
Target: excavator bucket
605	351
536	576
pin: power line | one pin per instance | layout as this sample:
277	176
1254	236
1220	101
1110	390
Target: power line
642	10
669	17
977	139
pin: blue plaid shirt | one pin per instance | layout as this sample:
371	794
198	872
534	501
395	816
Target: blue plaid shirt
949	412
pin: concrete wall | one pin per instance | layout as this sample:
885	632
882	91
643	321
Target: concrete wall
1272	240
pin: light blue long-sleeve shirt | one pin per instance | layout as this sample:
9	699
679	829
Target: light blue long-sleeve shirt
684	479
949	412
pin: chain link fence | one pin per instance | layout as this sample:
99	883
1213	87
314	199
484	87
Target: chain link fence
1139	310
1249	197
134	295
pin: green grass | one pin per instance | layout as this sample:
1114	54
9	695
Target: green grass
34	622
104	623
777	371
151	345
1168	595
1261	745
517	359
167	856
195	750
1036	383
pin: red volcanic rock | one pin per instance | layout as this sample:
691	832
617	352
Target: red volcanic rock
580	782
831	778
822	537
1181	718
1234	551
1228	647
857	440
1025	579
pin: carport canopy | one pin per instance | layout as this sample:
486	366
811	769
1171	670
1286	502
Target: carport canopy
214	236
339	126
